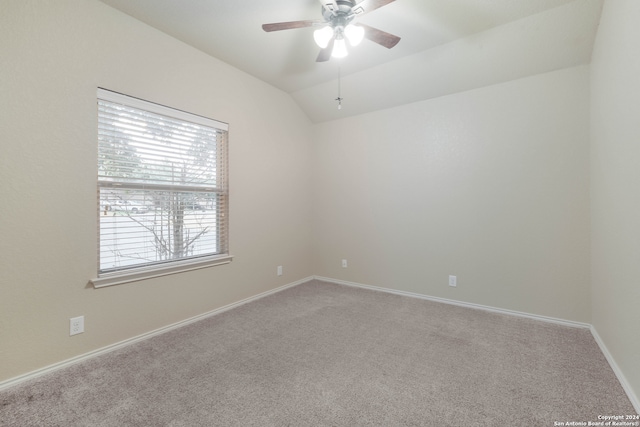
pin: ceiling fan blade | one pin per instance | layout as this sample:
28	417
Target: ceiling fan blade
366	6
378	36
278	26
325	54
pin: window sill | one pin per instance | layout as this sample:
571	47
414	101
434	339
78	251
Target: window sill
135	275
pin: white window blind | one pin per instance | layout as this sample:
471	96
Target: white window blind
162	185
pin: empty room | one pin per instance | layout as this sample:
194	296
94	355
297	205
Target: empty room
319	212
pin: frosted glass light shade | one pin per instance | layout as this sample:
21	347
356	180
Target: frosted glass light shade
323	36
339	49
354	34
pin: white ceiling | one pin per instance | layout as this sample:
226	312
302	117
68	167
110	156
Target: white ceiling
447	46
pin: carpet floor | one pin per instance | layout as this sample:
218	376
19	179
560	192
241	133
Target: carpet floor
321	354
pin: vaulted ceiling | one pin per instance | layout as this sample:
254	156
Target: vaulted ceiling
446	46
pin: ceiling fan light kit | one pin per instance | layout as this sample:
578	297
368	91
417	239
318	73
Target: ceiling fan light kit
336	22
322	36
339	48
354	34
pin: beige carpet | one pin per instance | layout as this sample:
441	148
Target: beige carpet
322	354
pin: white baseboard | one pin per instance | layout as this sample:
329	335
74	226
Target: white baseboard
56	366
621	378
616	370
460	303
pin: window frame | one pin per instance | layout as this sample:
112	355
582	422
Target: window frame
133	273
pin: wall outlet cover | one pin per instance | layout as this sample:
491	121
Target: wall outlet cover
76	325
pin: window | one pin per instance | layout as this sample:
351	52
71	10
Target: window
162	190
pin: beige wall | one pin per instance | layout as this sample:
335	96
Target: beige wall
615	185
54	56
490	185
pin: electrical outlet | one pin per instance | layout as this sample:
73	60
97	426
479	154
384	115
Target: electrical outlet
279	271
453	281
76	325
344	263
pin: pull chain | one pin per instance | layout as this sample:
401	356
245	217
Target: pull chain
339	99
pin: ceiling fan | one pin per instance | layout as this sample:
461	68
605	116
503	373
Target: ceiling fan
337	25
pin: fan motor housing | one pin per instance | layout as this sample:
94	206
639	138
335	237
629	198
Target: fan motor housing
344	10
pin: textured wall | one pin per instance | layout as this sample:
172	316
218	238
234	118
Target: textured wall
490	185
54	56
615	188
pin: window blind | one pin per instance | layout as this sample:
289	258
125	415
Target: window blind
162	184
